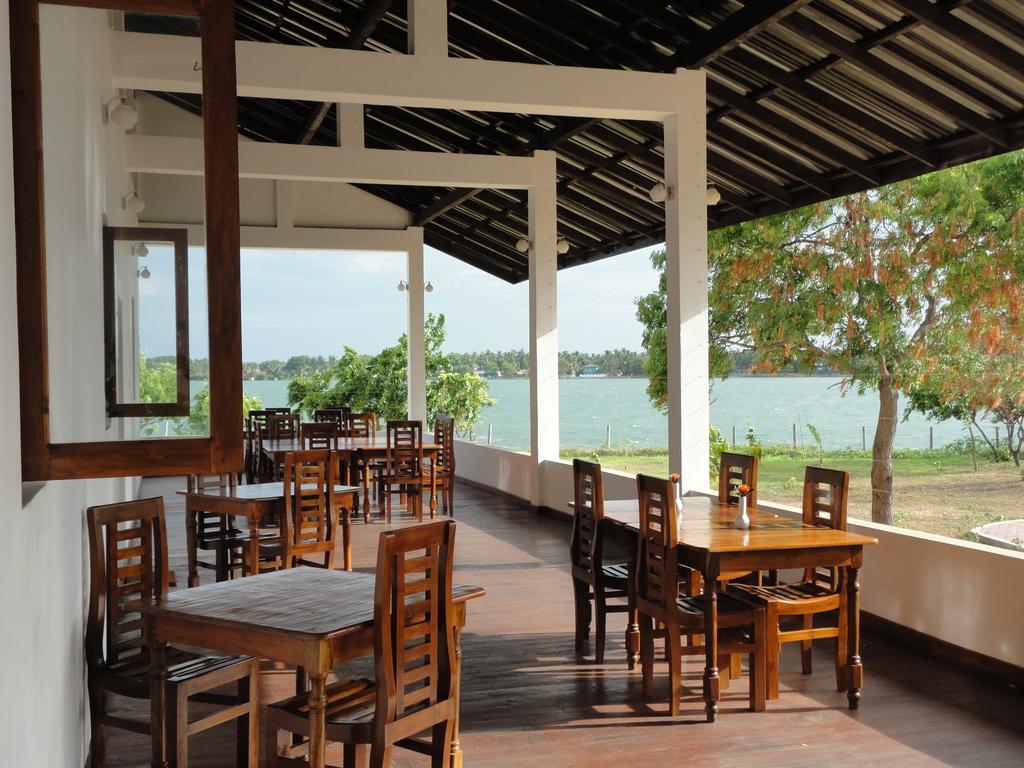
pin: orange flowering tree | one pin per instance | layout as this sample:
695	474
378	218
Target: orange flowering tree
864	283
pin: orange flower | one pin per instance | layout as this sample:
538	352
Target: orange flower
743	490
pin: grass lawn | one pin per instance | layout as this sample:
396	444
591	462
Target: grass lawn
934	491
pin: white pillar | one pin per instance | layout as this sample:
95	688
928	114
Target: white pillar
428	28
350	125
689	412
543	325
416	349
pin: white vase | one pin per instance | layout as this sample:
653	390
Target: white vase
742	521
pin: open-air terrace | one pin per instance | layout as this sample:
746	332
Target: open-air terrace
145	568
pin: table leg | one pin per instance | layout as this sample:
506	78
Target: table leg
456	749
317	722
190	544
433	484
855	667
711	679
346	535
252	566
157	690
632	623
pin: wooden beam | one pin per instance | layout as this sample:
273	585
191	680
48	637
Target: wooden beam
361	32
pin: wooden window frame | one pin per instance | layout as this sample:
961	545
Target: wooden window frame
178	238
42	459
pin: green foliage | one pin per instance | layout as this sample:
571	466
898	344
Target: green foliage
199	418
379	383
718	444
817	439
753	443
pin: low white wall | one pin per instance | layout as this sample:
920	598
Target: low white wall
957	591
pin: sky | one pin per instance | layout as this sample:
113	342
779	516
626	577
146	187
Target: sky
316	302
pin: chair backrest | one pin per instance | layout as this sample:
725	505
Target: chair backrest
258	420
737	469
283	426
329	415
444	437
127	565
283	411
307	525
825	496
404	456
414	642
207	523
319	436
657	569
588	511
360	424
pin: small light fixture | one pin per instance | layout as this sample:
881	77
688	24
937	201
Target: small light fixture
121	113
133	203
429	287
562	246
713	196
141	250
144	273
402	286
659	193
522	245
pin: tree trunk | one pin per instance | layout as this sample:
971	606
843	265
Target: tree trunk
881	448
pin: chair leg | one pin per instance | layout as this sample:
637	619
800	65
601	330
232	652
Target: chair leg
758	665
725	670
675	670
380	755
271	745
647	653
735	665
356	755
581	597
600	623
441	744
177	725
416	497
771	642
247	728
806	645
98	733
632	630
842	681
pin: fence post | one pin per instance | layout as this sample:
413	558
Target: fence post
794	437
733	435
931	438
490	432
608	436
997	437
863	438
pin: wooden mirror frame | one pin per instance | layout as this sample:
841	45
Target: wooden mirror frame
178	238
222	450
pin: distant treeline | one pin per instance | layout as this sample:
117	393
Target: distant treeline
611	362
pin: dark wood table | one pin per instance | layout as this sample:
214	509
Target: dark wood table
710	544
303	617
254	502
373	447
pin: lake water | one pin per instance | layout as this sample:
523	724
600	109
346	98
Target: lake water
771	405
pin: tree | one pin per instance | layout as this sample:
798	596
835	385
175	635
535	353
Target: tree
862	284
379	384
199	418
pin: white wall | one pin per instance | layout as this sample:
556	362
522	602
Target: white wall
42	711
956	591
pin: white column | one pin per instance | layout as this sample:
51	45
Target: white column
350	125
543	325
416	350
428	28
686	273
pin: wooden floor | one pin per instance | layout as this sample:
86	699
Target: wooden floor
527	702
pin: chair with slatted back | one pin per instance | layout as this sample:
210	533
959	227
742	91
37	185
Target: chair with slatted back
331	415
308	523
592	579
283	410
439	474
127	566
211	532
319	436
283	426
741	624
255	465
362	425
402	471
737	469
820	590
414	650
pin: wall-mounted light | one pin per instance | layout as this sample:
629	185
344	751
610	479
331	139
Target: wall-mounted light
402	286
133	203
141	250
713	196
122	113
144	273
522	245
562	246
429	287
659	193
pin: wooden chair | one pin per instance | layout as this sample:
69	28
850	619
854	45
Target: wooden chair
281	411
820	590
330	415
592	580
212	533
737	469
319	436
362	424
127	566
441	479
414	650
308	522
362	472
255	467
741	624
283	426
402	471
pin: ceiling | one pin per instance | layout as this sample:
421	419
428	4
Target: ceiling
806	101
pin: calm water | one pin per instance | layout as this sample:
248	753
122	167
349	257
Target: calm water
771	405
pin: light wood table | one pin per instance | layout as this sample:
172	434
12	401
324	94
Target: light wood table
370	448
254	502
710	544
303	617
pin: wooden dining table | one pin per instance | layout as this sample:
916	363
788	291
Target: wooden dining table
254	502
710	544
309	618
373	447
